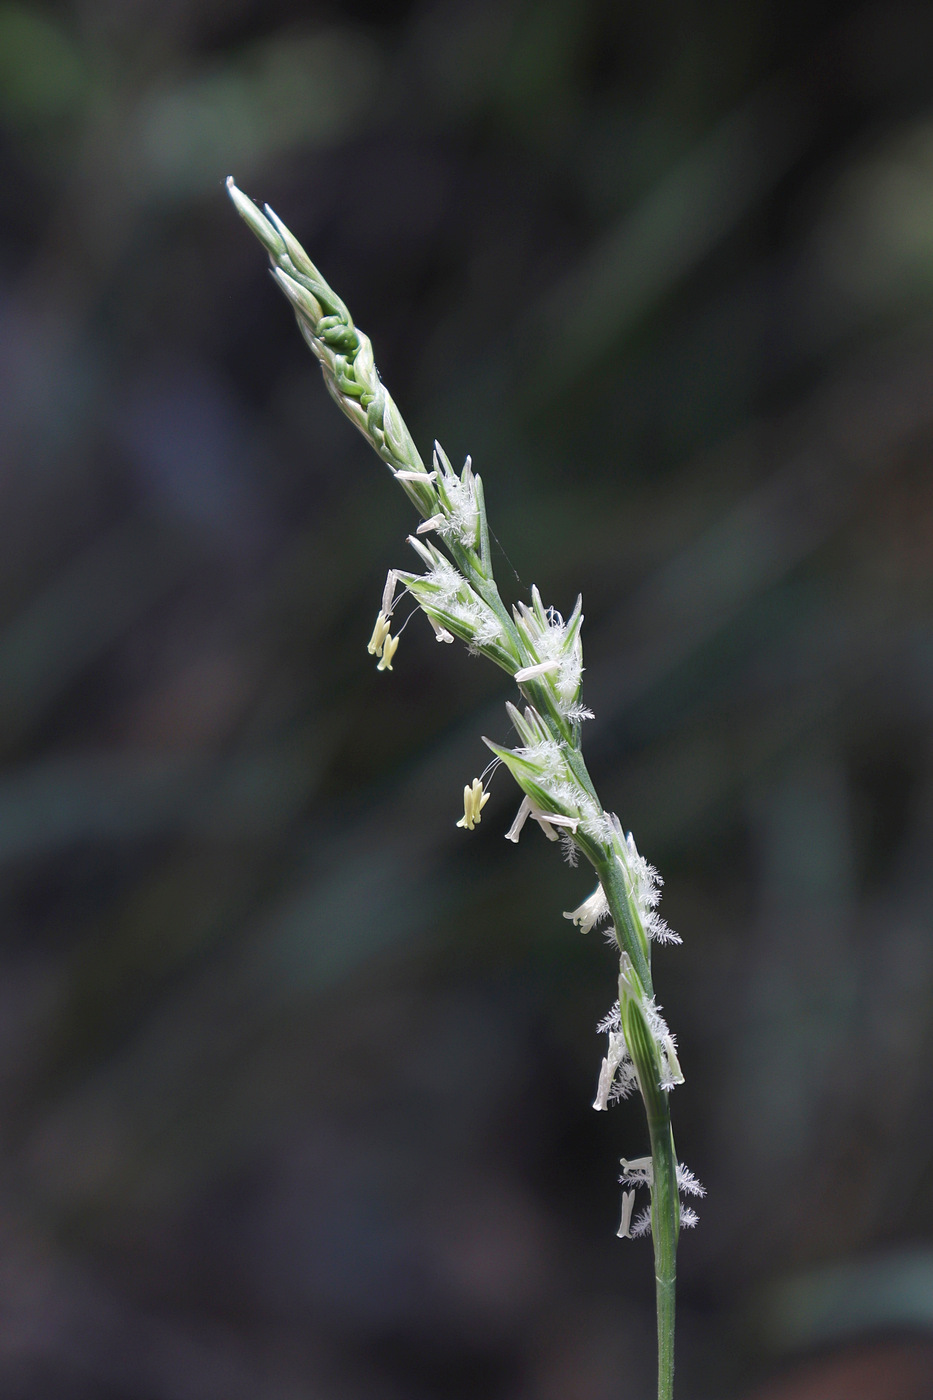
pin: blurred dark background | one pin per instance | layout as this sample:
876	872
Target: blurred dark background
295	1076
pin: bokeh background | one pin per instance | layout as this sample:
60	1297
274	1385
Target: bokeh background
295	1076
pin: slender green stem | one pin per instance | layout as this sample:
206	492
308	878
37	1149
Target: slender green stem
665	1198
629	932
665	1227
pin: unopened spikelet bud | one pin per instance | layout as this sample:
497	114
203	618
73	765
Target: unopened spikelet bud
305	303
344	353
266	233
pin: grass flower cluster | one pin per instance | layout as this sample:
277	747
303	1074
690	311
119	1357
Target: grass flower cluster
543	654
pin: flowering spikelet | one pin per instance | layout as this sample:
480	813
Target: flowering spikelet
640	1172
617	1076
543	768
453	607
459	517
556	650
643	886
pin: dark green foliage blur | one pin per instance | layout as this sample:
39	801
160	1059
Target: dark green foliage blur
294	1075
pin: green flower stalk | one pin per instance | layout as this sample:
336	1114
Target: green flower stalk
543	654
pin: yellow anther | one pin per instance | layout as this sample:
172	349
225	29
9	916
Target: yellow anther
474	800
389	648
380	632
